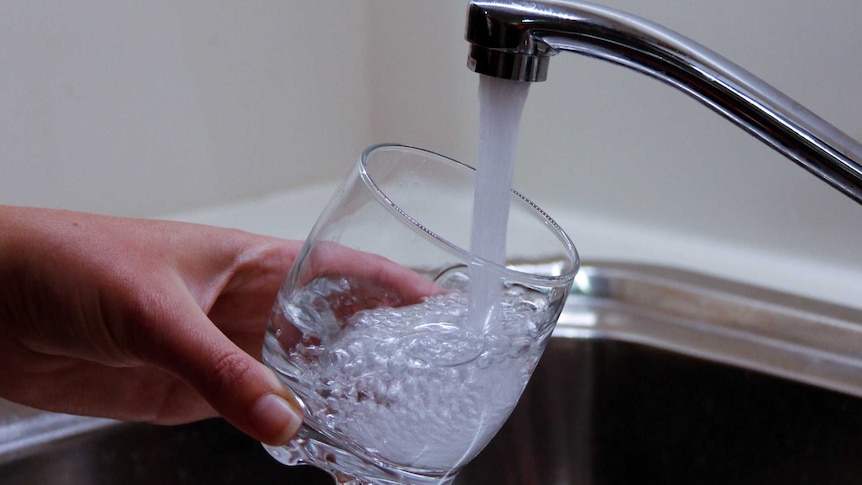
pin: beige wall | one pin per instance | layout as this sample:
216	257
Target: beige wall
147	108
142	108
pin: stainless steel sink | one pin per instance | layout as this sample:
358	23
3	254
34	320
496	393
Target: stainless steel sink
654	375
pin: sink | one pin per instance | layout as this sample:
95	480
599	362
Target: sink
654	375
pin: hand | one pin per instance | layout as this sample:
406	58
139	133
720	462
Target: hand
329	259
374	281
141	320
153	321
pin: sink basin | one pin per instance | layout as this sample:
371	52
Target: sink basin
654	375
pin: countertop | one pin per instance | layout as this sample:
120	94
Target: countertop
291	214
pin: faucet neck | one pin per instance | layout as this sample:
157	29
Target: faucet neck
515	39
504	42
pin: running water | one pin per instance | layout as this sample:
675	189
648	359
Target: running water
408	385
449	369
501	103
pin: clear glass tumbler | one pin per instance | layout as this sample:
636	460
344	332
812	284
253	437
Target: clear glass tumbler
401	378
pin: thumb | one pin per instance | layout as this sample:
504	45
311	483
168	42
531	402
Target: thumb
242	390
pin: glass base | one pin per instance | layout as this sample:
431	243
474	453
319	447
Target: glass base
311	448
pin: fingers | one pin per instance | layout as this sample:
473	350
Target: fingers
241	389
329	259
142	393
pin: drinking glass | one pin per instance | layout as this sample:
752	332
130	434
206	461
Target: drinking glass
402	377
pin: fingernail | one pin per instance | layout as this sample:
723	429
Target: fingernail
277	418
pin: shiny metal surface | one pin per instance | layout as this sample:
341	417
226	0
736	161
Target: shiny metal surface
654	375
744	326
515	39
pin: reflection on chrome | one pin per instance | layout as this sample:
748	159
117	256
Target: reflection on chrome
582	283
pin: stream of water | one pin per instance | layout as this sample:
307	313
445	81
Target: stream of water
501	103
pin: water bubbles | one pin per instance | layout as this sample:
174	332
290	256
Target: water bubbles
455	278
378	372
519	346
336	358
308	350
443	344
304	317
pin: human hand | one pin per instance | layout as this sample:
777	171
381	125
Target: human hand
140	320
150	320
374	281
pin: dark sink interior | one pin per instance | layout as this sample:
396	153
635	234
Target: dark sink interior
608	412
596	411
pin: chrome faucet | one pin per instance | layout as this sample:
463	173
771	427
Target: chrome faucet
516	39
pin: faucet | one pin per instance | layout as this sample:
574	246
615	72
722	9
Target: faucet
515	40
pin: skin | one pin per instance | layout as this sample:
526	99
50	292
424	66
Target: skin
140	320
152	321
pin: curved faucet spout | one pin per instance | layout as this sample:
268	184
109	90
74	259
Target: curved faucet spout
515	40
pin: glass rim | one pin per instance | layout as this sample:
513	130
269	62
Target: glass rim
467	255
